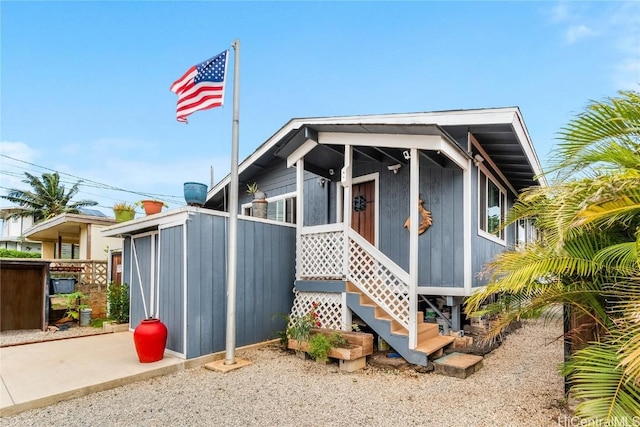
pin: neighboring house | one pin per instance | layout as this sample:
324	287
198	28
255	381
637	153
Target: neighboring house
348	185
13	229
78	232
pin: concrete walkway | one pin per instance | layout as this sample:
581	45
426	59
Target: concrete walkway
40	374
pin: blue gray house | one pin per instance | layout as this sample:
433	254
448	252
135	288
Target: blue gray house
341	192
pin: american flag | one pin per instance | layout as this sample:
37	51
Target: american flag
201	87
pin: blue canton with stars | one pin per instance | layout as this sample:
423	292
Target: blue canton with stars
212	69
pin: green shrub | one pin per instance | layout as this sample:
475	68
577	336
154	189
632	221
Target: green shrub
118	298
319	347
11	253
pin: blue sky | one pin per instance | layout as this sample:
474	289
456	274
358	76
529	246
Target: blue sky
85	85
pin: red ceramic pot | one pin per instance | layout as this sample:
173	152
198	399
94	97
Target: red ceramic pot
150	338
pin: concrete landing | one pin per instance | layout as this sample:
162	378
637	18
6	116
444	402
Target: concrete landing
458	365
40	374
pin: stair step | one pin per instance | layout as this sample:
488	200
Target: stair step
434	344
459	365
427	331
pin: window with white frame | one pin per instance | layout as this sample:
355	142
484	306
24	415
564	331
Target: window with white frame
279	208
526	232
492	206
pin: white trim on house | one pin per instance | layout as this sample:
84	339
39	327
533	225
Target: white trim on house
414	196
526	144
421	142
300	152
481	232
439	118
284	196
299	212
466	219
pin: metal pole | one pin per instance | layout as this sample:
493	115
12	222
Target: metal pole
232	244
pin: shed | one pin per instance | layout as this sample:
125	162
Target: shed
175	265
23	294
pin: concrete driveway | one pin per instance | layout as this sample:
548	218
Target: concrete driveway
40	374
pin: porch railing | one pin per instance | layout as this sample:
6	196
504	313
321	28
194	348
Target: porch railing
379	278
322	257
322	252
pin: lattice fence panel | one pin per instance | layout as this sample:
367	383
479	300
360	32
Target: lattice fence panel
321	255
329	308
379	283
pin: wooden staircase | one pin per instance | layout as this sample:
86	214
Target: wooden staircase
429	342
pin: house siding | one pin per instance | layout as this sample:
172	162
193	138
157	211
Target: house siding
171	284
484	249
266	263
277	179
265	275
441	246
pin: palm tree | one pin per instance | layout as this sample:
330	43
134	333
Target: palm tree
47	197
587	258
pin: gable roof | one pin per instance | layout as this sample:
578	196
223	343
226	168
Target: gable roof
500	131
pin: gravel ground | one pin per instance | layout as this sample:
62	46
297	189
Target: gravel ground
518	386
28	336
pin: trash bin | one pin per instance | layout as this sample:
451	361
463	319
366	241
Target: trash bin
85	316
62	286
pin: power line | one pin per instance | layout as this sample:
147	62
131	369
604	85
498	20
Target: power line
91	183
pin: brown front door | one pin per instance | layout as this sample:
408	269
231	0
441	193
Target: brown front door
363	210
116	268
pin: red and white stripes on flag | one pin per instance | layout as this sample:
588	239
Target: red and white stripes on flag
201	87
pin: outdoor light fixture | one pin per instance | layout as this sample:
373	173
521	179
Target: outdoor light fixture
394	168
477	159
406	154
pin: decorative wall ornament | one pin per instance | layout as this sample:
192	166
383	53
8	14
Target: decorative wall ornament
425	219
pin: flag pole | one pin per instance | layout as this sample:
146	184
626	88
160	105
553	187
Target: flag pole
232	243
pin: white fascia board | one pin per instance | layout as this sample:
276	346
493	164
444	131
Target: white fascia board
300	152
403	141
159	220
527	146
293	124
441	118
424	142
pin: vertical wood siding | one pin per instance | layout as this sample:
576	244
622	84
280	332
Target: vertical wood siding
170	285
441	246
266	261
485	250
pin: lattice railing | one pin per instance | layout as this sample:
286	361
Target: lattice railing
329	308
321	252
379	278
90	272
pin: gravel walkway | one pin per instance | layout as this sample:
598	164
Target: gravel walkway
518	386
28	336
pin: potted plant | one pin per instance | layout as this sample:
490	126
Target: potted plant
195	193
124	211
151	206
76	309
259	203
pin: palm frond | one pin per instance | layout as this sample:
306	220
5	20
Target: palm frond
601	385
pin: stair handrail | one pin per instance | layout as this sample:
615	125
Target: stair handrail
395	269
